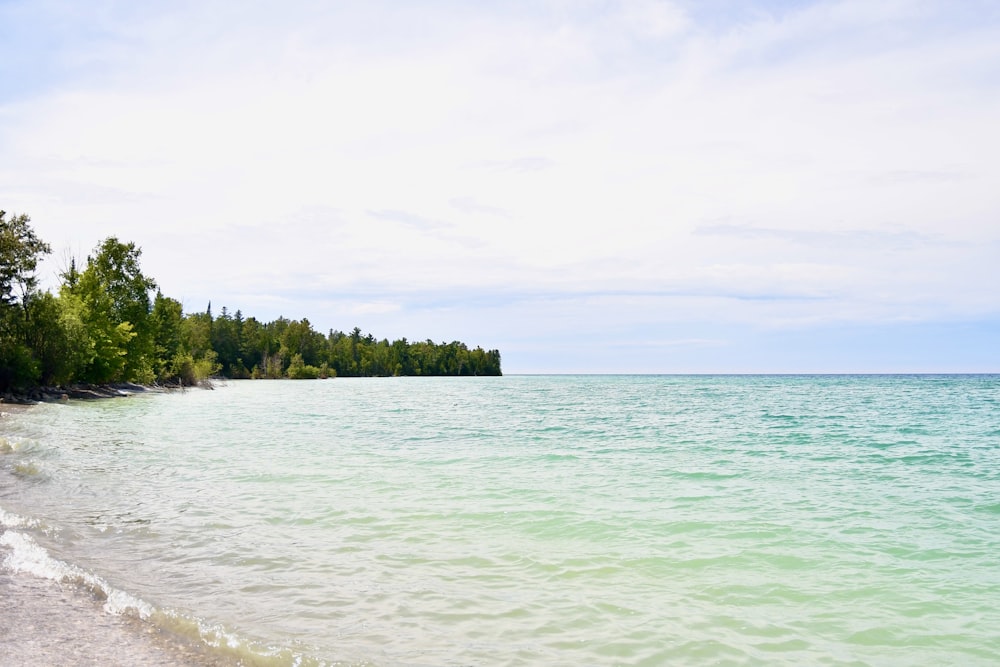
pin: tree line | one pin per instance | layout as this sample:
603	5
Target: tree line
109	323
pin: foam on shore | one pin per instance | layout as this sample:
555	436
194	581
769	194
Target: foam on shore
58	613
51	619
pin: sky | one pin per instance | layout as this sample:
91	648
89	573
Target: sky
614	186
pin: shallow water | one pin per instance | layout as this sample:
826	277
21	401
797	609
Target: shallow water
54	623
529	520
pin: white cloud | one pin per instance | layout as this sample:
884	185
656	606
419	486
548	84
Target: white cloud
831	163
654	18
377	307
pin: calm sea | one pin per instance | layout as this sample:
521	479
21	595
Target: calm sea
523	520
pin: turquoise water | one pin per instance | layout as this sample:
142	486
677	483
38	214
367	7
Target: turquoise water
523	520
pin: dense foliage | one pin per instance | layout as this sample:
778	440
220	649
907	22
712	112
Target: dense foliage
105	325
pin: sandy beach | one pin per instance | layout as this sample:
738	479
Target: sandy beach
44	622
47	623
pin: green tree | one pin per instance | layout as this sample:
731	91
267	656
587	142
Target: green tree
105	327
20	250
276	362
198	359
299	370
116	295
300	338
57	338
168	336
255	346
226	333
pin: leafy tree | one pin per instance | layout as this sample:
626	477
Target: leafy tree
255	346
199	360
300	338
197	333
116	295
105	327
226	333
57	338
20	250
110	341
400	360
299	370
168	335
115	269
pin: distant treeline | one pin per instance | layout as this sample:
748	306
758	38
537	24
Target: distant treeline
105	326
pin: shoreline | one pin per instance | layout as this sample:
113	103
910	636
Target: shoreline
52	622
88	392
47	622
77	391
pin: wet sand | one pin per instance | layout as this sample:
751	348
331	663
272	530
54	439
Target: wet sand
47	623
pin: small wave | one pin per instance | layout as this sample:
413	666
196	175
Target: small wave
683	500
706	475
28	556
989	508
224	642
21	554
26	469
8	520
558	457
876	636
779	417
20	446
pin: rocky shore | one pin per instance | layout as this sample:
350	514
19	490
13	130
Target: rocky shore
80	391
87	392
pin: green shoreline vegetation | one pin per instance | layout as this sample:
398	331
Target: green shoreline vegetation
106	326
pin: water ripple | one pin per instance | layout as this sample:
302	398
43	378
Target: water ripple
526	520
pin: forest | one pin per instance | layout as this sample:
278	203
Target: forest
110	323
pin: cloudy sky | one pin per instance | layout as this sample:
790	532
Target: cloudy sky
589	186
